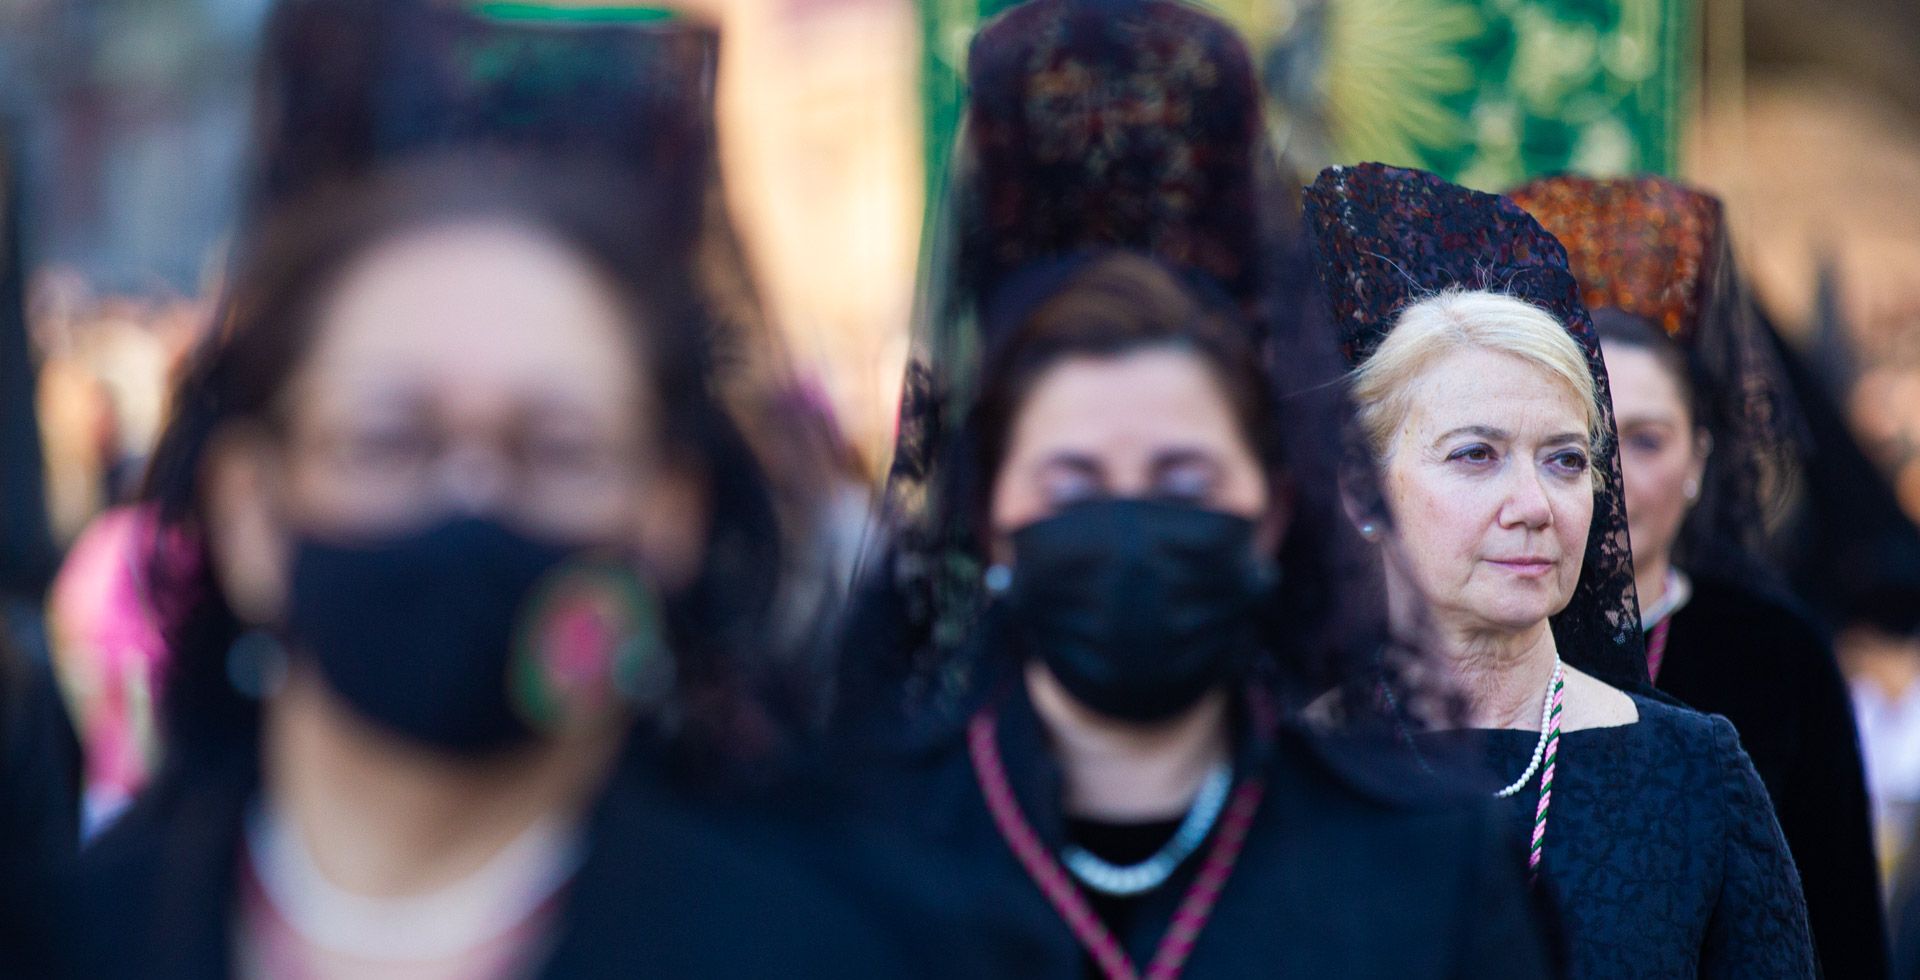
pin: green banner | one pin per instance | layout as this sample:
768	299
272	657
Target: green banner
1485	92
1492	92
946	28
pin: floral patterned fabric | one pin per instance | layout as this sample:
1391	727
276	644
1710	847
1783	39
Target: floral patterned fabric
1643	245
1143	133
1662	853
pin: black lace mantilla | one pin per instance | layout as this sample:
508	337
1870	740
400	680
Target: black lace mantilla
1387	237
1098	124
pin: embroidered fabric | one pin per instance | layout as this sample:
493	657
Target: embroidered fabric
1385	237
1666	814
1659	250
1133	124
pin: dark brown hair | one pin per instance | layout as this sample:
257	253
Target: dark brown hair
1110	306
1619	329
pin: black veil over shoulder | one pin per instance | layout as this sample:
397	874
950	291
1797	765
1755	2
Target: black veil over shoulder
1099	125
1387	237
1659	250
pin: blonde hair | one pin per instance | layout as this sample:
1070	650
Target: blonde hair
1459	320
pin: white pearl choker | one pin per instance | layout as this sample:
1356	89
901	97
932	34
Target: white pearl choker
1540	747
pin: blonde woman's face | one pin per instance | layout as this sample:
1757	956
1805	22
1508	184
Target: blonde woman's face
1489	481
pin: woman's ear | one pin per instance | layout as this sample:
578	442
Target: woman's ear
246	539
671	523
1365	516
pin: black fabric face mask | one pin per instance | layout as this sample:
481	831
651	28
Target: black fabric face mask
1139	607
417	632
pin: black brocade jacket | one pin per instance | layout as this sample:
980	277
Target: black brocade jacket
1336	879
1754	657
672	885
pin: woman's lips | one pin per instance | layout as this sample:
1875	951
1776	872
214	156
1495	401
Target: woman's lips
1524	566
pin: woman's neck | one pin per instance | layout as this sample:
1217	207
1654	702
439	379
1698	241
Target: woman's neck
1503	675
1120	771
384	818
1650	579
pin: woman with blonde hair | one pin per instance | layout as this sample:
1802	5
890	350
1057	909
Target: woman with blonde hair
1479	384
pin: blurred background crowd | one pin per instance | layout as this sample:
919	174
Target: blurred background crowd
127	121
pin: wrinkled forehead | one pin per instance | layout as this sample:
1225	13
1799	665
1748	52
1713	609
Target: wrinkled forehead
1479	389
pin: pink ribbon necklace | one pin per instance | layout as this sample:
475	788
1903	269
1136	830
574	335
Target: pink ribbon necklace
1170	958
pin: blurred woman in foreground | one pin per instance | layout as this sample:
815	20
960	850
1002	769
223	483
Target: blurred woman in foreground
467	508
1118	565
1128	791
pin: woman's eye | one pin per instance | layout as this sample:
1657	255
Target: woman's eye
388	447
1473	454
1063	487
563	454
1186	483
1646	442
1569	461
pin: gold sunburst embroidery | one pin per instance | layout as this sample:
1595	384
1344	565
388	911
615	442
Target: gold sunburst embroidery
1391	66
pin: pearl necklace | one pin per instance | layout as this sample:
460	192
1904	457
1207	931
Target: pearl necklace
1545	753
1539	748
1136	879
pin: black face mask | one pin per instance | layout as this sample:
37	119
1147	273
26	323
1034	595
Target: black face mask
417	633
1138	607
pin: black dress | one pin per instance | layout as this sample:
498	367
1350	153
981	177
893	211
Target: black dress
39	808
1340	877
1661	851
1739	652
672	885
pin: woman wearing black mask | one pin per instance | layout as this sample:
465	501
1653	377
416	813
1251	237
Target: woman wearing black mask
455	435
1118	563
1122	791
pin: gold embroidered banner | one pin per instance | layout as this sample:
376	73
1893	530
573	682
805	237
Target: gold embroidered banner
1484	92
